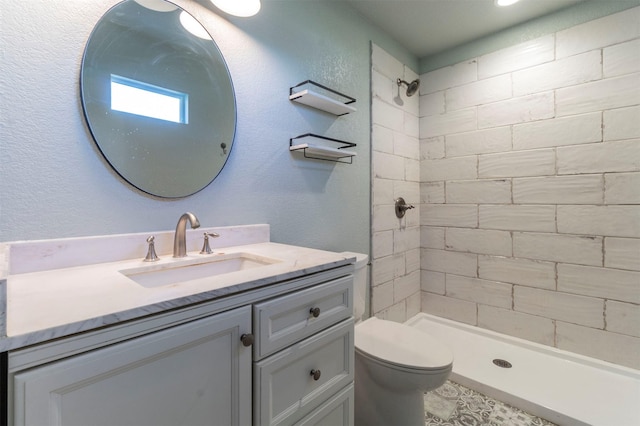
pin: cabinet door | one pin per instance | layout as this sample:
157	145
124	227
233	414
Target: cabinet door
197	373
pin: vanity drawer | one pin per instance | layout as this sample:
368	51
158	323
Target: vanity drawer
285	389
285	320
337	411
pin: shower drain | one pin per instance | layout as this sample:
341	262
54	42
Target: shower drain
502	363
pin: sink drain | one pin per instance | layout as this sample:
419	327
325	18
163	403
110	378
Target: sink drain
502	363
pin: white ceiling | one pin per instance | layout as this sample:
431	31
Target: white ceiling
427	27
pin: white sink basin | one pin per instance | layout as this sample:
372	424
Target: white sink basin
192	269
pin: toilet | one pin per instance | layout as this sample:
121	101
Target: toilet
395	364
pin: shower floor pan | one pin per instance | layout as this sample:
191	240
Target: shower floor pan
560	386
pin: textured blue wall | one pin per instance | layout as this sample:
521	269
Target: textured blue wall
55	184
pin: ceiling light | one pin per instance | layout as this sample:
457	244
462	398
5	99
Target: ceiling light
505	2
242	8
194	27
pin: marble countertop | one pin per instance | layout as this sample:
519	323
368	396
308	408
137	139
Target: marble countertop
46	304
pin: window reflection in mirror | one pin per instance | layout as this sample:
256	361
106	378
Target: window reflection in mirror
139	98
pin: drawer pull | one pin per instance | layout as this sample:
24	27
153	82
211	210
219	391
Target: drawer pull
315	374
315	312
247	339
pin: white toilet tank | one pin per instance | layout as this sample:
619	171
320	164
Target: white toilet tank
360	280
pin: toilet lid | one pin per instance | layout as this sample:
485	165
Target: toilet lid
401	345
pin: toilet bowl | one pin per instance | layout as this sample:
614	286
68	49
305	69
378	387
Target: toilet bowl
395	364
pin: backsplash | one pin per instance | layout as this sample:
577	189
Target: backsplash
41	255
530	188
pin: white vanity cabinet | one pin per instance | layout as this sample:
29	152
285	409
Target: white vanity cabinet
198	373
304	357
190	366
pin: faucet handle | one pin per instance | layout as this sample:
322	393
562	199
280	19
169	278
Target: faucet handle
151	252
206	248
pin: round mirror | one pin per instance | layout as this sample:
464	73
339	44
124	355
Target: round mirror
158	97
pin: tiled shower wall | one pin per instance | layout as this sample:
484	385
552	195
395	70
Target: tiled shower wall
530	190
395	275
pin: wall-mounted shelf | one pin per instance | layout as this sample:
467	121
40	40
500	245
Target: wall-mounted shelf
312	97
319	148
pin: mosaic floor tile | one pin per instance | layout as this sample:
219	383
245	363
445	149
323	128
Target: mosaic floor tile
455	405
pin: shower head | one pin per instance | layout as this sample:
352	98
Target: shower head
412	87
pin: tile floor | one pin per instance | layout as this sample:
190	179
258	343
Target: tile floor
454	405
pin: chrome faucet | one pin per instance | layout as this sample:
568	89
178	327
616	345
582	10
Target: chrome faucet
180	238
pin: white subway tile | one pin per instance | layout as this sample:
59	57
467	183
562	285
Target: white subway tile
561	73
532	273
516	110
432	282
558	248
432	104
479	92
450	262
405	286
444	78
381	297
456	168
607	157
385	64
622	253
622	123
479	291
612	347
432	237
538	162
523	55
518	218
382	191
479	142
410	191
460	215
623	318
479	241
622	188
412	123
412	170
387	269
381	139
412	260
396	312
447	307
386	115
573	130
598	33
517	324
578	189
432	148
406	239
382	244
384	218
572	308
406	146
604	283
621	59
479	191
432	192
413	305
598	95
611	221
381	87
458	121
388	166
